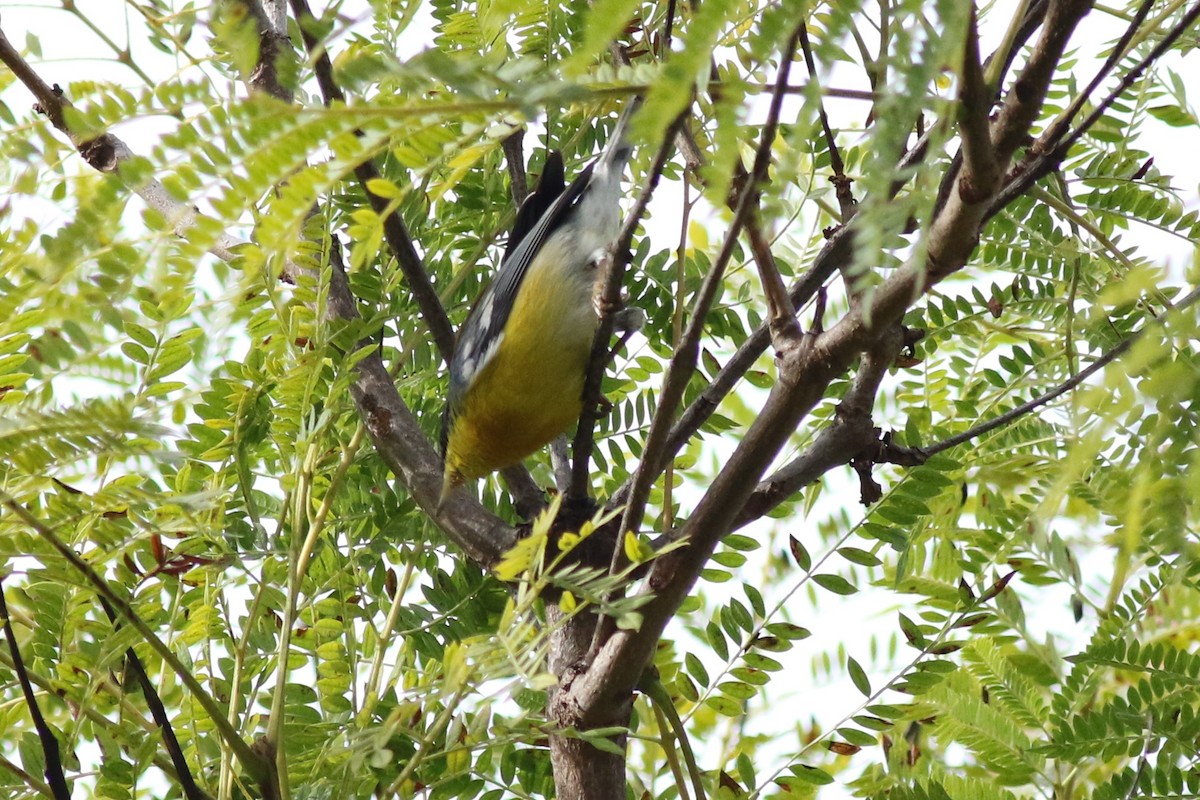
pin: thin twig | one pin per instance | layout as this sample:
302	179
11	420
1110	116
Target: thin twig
51	751
1056	128
183	772
1049	154
677	315
668	30
610	301
30	781
781	314
841	183
1129	78
249	761
394	230
1064	387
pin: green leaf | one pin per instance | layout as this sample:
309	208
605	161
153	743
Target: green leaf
856	737
858	676
723	705
135	352
857	556
812	775
140	335
835	583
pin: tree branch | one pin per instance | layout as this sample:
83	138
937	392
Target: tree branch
183	772
394	231
1064	387
1046	154
849	434
974	104
841	183
51	750
404	447
781	315
1054	131
610	302
805	370
106	153
270	17
1024	100
514	158
833	255
656	450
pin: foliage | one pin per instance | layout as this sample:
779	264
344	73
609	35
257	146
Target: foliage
1015	616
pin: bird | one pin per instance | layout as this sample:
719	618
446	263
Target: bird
518	369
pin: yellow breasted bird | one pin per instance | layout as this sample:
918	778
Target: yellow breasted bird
516	379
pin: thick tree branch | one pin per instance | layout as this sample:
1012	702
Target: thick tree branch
974	105
804	372
404	447
849	434
581	770
270	17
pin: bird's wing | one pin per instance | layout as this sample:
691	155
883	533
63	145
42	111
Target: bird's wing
550	185
484	330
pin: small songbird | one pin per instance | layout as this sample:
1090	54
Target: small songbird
516	379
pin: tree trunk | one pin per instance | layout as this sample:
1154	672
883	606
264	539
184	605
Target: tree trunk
581	771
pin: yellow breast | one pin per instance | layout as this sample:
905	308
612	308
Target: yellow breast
531	390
